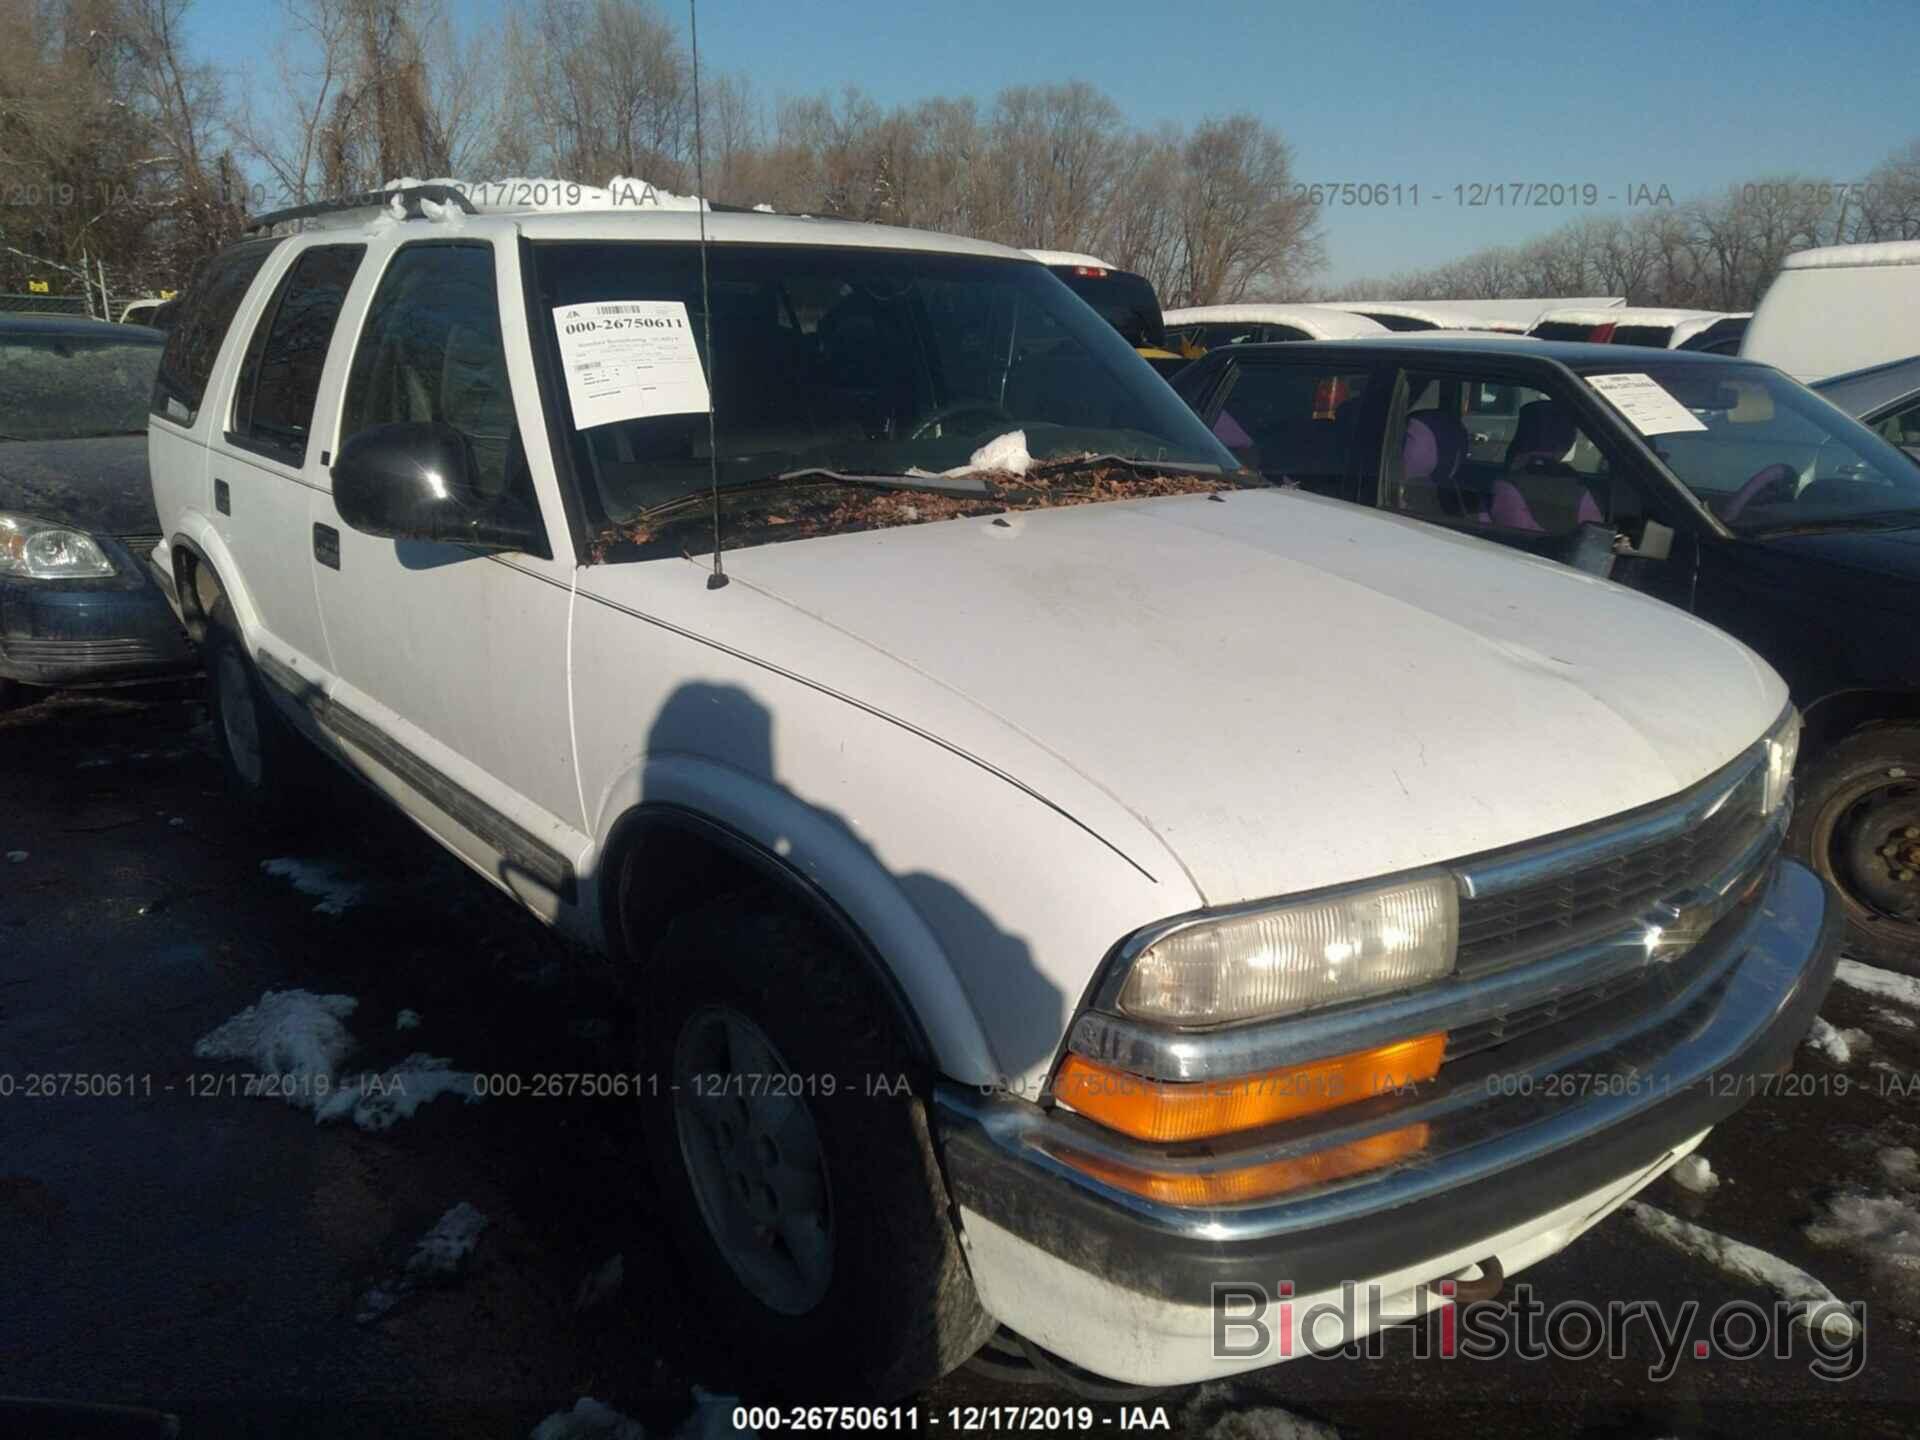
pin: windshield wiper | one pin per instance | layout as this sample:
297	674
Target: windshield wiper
816	475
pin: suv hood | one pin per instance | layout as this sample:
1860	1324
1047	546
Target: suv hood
1288	692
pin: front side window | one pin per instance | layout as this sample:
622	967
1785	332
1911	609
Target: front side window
1902	426
1488	451
431	352
58	385
193	344
281	375
888	367
1296	424
1761	451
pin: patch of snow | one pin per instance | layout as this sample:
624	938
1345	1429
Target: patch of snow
545	195
1901	1164
407	1020
1751	1264
712	1418
17	857
588	1420
1902	989
443	1251
1004	453
1883	1228
1894	1018
1836	1044
1692	1172
327	880
1236	1422
379	1102
764	208
601	1284
291	1034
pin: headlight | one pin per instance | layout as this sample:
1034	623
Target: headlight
1783	749
1287	957
40	550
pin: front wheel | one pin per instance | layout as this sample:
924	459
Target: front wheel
1857	822
791	1140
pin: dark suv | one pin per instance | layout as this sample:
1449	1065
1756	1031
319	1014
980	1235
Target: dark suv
1717	484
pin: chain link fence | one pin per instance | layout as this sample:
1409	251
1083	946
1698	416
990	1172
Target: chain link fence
43	304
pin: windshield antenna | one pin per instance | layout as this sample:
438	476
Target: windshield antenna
719	575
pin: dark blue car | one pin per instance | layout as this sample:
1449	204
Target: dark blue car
78	604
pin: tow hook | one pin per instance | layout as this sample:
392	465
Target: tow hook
1483	1286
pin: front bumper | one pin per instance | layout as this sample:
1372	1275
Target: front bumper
117	629
1512	1170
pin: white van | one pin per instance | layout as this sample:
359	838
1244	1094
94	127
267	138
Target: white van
1839	308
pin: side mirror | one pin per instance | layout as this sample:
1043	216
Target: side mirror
418	481
1654	543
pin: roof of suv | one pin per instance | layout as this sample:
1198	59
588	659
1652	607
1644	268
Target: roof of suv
634	222
13	323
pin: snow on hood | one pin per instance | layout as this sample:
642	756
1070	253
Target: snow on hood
1004	454
1226	670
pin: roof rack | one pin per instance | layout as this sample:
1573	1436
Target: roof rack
410	196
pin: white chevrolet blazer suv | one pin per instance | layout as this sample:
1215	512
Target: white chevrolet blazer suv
1069	889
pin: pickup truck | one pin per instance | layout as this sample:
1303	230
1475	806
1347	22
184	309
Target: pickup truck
1059	875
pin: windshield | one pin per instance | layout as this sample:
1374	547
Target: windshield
66	387
854	362
1122	299
1765	453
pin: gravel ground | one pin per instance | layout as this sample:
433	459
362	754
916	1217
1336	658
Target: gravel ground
227	1259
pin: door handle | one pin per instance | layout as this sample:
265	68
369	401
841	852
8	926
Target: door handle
326	546
222	497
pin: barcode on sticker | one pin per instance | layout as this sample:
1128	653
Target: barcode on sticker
615	308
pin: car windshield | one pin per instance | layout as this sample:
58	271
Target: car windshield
931	373
1762	451
56	386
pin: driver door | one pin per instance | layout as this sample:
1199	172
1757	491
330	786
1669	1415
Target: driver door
449	666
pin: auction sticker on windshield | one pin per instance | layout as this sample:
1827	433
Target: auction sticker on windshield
1646	403
628	359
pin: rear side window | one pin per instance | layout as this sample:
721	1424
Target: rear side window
273	408
194	342
1295	424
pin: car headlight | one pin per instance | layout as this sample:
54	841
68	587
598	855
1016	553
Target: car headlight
1783	750
1261	962
41	550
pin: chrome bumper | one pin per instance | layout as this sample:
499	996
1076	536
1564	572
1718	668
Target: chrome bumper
1512	1131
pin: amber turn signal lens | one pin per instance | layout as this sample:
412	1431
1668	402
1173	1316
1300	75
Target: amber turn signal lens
1254	1182
1168	1110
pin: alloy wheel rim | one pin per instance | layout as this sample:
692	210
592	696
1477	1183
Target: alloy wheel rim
237	719
753	1154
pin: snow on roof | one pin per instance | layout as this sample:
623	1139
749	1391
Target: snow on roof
748	228
1071	257
1475	314
1323	322
1626	315
1834	257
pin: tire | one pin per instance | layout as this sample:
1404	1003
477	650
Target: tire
11	695
1857	800
874	1301
269	768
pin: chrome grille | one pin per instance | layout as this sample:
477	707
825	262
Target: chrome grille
1601	880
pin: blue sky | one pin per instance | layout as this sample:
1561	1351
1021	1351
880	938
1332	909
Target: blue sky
1618	93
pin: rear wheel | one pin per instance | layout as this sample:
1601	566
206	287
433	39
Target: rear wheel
1857	822
804	1190
266	762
